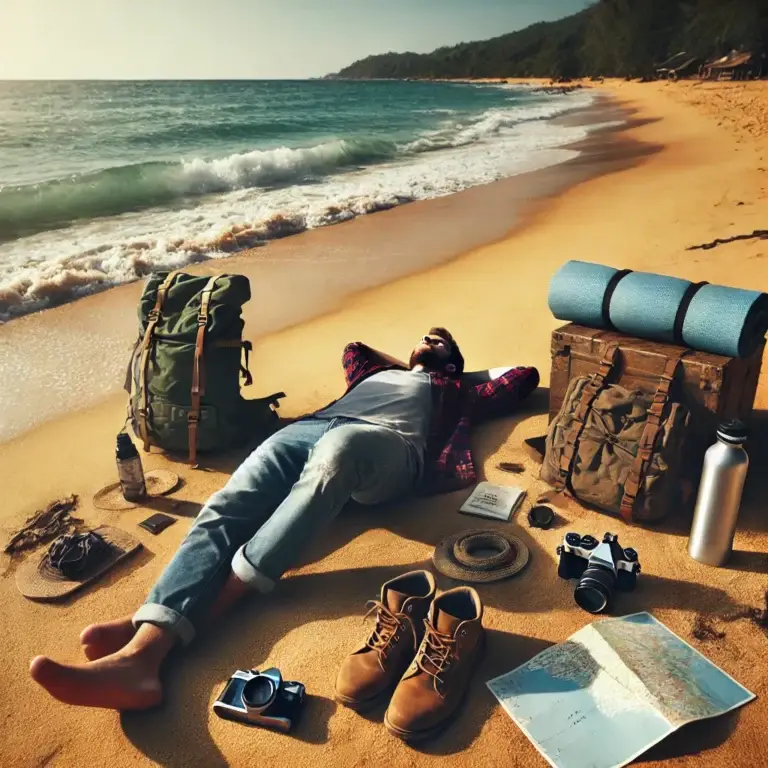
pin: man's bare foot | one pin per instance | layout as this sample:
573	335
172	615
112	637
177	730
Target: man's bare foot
114	682
100	640
128	679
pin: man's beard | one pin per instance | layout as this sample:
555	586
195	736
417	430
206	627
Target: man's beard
429	358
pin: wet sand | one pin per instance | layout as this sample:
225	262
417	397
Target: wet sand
74	356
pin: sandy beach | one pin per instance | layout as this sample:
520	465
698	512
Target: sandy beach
317	270
690	168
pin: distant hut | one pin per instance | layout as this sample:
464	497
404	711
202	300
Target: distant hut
737	65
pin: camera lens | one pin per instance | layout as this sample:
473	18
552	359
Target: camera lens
593	591
258	691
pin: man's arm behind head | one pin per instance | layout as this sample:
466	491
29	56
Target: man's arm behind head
500	395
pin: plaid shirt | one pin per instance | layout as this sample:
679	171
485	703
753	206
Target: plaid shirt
455	407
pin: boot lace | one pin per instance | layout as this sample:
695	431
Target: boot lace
386	630
437	649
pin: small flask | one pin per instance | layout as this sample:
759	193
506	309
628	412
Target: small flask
719	499
129	469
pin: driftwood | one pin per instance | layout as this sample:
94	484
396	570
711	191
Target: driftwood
512	466
703	626
758	234
55	520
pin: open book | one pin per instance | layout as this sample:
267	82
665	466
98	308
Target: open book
612	690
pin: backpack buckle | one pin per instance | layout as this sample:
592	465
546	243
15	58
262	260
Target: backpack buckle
193	418
153	315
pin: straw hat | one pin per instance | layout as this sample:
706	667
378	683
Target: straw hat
159	482
37	579
456	556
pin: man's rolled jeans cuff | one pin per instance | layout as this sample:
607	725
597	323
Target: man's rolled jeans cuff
251	577
165	618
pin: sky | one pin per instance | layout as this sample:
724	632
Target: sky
258	39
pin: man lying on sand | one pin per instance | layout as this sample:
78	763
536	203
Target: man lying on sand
395	430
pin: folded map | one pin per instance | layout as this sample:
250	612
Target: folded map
612	691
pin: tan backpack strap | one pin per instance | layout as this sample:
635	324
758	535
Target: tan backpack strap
128	383
648	439
588	395
153	318
198	369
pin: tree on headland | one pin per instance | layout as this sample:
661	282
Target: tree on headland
620	38
716	27
626	38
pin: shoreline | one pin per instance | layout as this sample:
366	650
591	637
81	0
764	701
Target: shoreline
322	267
699	183
188	210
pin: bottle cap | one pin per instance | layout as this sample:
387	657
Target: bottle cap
541	516
734	431
125	446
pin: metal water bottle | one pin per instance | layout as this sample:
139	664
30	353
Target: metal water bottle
717	505
129	469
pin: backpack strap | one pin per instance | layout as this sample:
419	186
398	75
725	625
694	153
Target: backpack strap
590	392
153	318
198	368
247	348
648	438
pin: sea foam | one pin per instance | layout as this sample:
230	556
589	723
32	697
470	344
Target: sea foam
98	231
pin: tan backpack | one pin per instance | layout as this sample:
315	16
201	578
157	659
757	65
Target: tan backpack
619	450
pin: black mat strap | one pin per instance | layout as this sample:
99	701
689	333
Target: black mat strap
682	311
608	295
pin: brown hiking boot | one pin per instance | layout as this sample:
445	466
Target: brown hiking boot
369	675
435	683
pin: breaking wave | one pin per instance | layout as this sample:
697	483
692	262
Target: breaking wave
67	237
26	210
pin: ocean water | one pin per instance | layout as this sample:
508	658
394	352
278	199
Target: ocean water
104	182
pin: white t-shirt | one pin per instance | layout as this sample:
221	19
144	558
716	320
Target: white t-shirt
398	400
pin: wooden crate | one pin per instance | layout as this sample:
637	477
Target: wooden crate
713	387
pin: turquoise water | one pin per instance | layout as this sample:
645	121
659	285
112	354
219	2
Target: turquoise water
102	182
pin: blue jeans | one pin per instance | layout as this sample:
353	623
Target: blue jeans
290	488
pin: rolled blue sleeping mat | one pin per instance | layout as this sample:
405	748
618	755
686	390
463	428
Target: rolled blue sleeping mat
576	292
711	318
646	305
726	321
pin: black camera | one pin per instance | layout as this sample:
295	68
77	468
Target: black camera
600	568
261	698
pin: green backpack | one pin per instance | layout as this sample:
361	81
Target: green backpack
184	374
